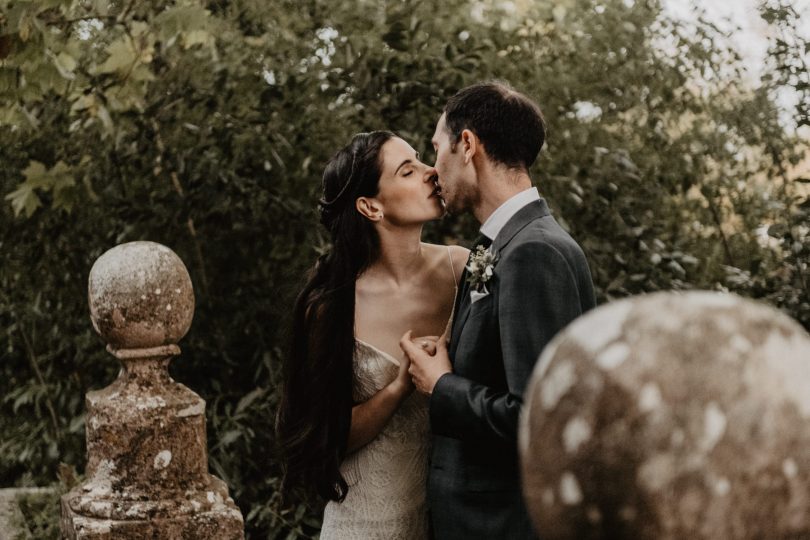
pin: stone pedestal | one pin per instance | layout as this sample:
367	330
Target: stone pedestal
671	416
147	469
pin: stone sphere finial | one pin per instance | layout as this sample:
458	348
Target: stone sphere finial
140	296
670	416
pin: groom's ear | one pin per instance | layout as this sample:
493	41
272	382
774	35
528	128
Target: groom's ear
470	145
370	208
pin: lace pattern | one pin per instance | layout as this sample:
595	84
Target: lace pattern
387	477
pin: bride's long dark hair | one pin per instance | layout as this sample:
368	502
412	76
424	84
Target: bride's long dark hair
314	415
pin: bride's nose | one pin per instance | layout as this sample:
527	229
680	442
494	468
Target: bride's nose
430	174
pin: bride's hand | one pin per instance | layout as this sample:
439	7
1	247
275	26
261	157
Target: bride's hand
403	384
427	343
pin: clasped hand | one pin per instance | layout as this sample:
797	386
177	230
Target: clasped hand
428	360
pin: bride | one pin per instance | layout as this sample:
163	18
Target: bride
350	426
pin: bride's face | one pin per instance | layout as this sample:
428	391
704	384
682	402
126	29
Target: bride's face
408	193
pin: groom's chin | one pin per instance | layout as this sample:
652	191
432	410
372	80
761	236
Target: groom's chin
452	210
447	205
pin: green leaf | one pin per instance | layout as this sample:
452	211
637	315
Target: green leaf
65	64
229	437
104	115
176	20
8	80
36	175
121	56
62	181
76	424
196	37
24	200
45	5
142	73
245	402
58	179
25	397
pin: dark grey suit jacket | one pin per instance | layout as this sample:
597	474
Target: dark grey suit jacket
541	283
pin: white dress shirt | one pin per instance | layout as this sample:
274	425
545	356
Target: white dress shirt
493	225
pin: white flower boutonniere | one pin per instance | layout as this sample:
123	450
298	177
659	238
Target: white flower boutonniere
480	268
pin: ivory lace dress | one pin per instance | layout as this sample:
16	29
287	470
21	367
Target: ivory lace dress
387	477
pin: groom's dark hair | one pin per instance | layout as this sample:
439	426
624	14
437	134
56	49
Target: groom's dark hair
509	124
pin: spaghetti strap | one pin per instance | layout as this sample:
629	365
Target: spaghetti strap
449	324
452	267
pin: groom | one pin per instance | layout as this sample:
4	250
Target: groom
530	283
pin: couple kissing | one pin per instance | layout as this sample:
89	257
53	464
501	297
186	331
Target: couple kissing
408	360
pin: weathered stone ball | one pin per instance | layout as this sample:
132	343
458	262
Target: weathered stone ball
671	416
140	296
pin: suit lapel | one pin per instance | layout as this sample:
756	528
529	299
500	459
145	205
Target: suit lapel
523	217
458	324
461	306
463	294
516	223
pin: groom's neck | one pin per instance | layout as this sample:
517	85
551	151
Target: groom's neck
496	186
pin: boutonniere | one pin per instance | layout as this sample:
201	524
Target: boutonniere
480	268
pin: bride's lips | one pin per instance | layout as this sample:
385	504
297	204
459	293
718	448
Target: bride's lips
437	189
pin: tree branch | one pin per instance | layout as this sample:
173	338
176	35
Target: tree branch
35	366
719	223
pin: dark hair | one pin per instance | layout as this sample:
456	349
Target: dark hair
509	124
314	415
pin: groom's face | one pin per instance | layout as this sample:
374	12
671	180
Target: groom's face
459	189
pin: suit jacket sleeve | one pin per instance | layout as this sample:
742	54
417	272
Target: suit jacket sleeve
538	296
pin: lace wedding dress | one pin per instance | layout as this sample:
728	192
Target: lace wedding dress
387	477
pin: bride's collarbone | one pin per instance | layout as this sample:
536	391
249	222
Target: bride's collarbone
435	271
420	290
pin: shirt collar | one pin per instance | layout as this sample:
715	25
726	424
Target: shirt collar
493	225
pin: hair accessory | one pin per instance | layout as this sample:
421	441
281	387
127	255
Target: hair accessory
324	204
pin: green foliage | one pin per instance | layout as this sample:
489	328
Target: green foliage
37	178
41	515
205	126
40	511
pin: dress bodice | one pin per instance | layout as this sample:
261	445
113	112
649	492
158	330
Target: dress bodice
386	477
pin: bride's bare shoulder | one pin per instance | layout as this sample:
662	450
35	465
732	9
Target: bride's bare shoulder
458	254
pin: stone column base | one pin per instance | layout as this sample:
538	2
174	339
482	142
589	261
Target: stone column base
220	519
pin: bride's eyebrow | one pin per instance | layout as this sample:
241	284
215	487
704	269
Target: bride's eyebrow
401	164
406	162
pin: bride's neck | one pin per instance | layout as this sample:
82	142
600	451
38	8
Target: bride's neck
401	255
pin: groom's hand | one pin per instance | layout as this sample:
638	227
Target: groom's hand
425	369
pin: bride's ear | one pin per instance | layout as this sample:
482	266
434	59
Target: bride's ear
370	208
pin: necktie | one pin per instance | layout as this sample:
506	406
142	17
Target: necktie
482	240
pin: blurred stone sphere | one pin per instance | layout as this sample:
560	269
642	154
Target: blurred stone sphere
140	296
671	416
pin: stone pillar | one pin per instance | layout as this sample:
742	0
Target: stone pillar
147	468
671	416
